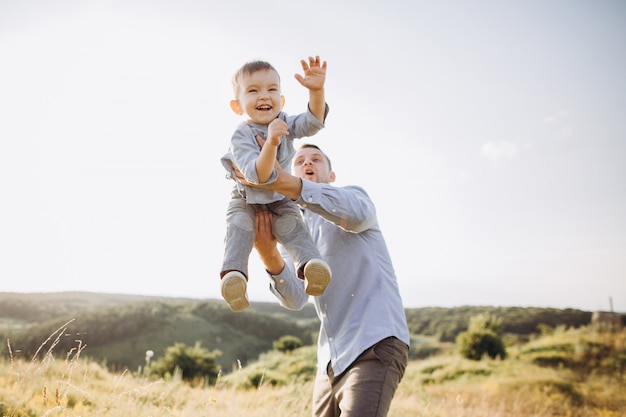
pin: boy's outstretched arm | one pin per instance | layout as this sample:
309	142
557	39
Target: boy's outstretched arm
314	79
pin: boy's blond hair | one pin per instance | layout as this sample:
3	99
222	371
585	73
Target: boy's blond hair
250	68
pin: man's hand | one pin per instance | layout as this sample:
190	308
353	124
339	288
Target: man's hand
265	243
242	178
239	175
314	74
264	240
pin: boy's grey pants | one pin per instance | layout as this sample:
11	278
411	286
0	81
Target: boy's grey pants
287	226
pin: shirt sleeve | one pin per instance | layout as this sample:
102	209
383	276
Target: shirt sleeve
349	208
305	124
244	152
287	288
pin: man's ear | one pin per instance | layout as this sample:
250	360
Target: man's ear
331	177
234	104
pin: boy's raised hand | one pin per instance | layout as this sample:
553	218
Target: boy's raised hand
314	74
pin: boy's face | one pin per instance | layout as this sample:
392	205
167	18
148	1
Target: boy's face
259	97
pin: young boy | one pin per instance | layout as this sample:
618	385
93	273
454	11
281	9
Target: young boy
258	96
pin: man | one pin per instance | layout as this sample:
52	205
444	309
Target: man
364	339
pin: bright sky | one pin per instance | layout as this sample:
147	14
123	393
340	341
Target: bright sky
491	136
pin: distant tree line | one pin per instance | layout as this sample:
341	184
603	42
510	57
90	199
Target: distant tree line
447	323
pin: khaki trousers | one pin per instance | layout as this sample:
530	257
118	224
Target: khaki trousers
367	387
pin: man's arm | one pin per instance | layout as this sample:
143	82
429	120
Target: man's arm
288	289
351	209
286	184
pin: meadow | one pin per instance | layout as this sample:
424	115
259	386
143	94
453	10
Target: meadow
573	372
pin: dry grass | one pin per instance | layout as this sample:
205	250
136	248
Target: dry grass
443	386
447	387
78	387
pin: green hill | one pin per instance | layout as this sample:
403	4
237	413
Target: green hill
446	323
118	329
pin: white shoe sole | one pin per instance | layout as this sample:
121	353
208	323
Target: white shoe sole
234	290
316	277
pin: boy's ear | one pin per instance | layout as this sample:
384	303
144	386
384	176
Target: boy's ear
282	101
234	104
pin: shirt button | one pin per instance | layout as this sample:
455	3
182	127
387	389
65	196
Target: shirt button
334	210
310	199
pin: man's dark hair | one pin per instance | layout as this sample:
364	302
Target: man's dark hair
310	145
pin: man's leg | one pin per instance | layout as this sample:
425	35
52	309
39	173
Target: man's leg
324	401
368	386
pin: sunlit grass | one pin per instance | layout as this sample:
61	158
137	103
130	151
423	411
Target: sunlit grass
280	385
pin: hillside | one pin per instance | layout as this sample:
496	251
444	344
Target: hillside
446	323
118	329
29	308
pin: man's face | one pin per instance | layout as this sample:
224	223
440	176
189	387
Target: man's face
259	96
310	164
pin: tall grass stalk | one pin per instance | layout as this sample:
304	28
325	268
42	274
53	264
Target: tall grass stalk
439	386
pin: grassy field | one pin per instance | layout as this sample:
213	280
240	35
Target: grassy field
575	373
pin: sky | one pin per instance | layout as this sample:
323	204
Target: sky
491	136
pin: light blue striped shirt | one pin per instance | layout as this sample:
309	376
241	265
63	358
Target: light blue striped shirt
244	151
362	304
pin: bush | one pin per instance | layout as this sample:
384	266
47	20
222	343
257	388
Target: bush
287	344
257	379
483	337
192	362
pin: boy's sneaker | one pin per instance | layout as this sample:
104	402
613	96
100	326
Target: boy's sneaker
316	277
234	290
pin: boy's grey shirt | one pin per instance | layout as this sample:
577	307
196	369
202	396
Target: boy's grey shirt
244	150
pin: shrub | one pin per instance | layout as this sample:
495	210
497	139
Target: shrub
259	378
192	362
474	345
287	344
483	337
